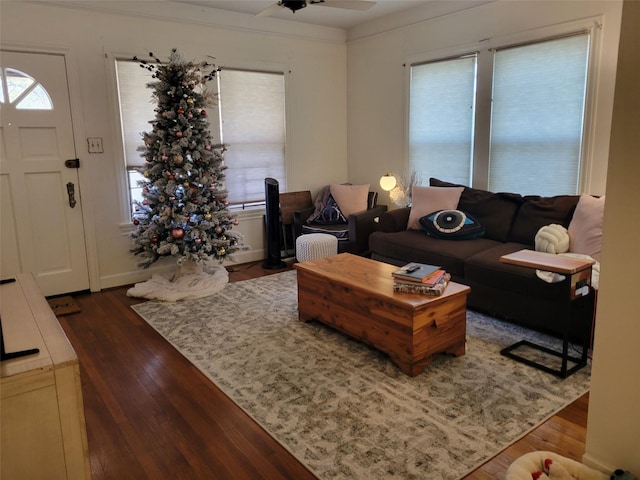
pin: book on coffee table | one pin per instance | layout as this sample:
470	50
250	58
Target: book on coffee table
421	288
418	272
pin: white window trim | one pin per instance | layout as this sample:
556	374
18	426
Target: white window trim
483	48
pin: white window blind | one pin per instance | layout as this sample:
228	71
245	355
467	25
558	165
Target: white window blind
537	116
136	108
253	126
441	117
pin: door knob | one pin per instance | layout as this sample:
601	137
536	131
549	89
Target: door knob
71	191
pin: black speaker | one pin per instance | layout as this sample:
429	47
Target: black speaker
272	220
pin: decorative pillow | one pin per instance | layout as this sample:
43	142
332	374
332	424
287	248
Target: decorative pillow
585	228
329	215
451	224
350	198
552	238
430	199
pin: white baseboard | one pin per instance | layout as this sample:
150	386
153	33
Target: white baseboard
598	464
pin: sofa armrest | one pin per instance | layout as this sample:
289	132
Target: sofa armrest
361	225
394	220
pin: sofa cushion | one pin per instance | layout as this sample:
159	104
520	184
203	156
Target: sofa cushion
350	198
416	246
536	212
494	211
451	225
585	229
429	199
486	268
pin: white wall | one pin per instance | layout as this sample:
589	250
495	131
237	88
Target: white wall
613	429
316	94
377	77
376	122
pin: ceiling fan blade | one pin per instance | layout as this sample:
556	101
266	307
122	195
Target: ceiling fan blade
267	12
346	4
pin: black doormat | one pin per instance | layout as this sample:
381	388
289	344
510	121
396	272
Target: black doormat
65	305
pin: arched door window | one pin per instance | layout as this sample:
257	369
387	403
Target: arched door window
23	91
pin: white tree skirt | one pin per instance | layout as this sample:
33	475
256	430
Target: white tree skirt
189	282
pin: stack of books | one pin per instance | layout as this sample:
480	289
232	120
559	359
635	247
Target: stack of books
420	278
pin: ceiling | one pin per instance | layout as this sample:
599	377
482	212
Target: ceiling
324	15
314	21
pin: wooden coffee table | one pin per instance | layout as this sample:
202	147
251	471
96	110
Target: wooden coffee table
355	296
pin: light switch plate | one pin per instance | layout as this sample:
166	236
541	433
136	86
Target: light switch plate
95	145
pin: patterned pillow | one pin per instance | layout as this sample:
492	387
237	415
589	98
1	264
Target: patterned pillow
451	224
329	215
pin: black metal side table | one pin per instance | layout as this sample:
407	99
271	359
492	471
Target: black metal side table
579	307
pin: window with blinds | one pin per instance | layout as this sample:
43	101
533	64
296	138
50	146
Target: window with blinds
538	96
537	116
252	110
441	116
250	119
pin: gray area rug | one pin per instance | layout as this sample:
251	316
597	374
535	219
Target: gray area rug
344	409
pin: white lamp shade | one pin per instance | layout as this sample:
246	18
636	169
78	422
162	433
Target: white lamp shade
388	182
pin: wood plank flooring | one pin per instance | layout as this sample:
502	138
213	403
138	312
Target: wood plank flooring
152	415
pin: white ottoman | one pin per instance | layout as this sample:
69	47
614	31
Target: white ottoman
315	245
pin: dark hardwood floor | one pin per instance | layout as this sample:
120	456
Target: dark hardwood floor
150	414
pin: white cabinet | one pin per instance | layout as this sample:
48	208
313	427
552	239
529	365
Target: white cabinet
43	426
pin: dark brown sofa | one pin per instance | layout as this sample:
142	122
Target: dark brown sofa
511	222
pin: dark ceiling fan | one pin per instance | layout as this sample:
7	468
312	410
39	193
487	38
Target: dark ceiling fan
297	5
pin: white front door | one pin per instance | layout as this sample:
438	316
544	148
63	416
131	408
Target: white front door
41	229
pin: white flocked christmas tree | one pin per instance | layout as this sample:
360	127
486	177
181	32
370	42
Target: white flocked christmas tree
184	212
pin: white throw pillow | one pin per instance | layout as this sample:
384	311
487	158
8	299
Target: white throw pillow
552	238
350	198
585	228
426	200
